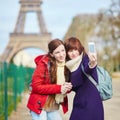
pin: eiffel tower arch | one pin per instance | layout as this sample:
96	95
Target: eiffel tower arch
19	39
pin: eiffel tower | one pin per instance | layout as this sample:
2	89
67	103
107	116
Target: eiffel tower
19	39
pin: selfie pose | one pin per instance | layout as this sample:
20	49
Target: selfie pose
87	104
50	84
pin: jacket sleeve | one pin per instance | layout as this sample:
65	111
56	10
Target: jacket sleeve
88	70
40	84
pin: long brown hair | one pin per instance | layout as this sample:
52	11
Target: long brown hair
73	43
53	67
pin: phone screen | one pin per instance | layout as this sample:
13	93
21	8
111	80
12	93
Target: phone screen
91	46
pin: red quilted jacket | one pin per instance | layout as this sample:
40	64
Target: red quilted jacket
41	86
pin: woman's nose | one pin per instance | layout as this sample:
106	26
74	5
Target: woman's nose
73	52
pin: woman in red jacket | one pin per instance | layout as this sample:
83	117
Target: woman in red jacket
50	83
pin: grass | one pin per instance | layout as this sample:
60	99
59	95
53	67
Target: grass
11	107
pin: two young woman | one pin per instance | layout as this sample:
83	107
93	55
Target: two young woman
50	83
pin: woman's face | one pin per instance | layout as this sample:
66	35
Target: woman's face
59	53
73	53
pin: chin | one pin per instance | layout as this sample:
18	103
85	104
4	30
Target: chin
74	57
62	61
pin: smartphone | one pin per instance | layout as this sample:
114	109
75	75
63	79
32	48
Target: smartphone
91	47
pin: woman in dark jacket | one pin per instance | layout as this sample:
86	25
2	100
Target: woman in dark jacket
87	104
49	84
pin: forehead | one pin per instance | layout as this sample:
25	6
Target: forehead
59	48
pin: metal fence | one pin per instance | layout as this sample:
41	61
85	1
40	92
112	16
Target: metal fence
14	80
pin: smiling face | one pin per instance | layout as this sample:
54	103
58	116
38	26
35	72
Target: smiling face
74	48
59	54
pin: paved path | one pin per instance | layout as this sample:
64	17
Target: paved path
111	107
22	113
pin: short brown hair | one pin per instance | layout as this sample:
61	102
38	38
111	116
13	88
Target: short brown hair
73	43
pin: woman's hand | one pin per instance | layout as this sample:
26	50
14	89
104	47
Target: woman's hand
67	86
92	60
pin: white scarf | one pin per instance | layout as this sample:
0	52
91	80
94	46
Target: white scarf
60	81
73	64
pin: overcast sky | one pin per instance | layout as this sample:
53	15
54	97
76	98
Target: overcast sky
58	16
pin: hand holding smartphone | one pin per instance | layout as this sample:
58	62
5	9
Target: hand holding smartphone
92	54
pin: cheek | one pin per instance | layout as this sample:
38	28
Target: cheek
70	55
56	57
65	54
77	53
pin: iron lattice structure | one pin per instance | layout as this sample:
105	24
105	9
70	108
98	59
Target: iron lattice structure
20	40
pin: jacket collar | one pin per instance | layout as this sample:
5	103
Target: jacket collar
42	58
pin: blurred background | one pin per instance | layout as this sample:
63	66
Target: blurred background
97	21
24	36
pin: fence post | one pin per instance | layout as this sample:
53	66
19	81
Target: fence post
15	89
5	82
